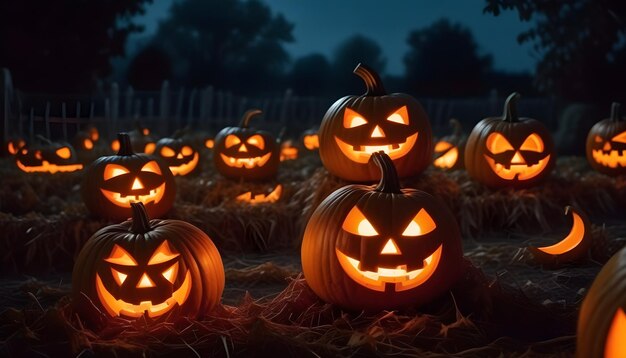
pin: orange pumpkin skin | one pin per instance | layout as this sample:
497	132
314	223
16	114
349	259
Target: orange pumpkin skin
605	298
197	260
538	160
412	140
326	244
606	144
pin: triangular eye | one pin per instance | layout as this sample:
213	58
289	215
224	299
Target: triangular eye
620	138
356	223
421	224
231	140
442	146
257	141
114	170
496	143
400	116
352	119
118	276
167	152
162	254
120	256
88	144
186	151
149	148
64	152
152	167
171	272
533	143
598	139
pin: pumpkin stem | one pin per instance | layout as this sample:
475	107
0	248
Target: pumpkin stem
141	222
372	81
43	139
389	182
126	147
457	127
510	108
245	120
615	107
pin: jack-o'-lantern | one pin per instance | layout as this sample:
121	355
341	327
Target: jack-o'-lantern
354	127
606	144
602	318
261	198
112	183
148	267
288	151
380	246
509	151
178	154
48	157
310	139
86	140
246	153
449	149
142	139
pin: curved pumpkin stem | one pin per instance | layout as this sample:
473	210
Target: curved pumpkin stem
245	120
372	81
457	127
141	222
389	182
125	146
615	107
43	139
510	108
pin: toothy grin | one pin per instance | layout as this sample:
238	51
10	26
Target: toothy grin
185	168
155	196
246	162
518	171
612	160
46	167
362	153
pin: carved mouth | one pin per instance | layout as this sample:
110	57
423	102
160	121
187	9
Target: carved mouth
120	307
155	195
518	171
46	167
246	162
185	168
361	153
262	198
447	160
612	159
403	279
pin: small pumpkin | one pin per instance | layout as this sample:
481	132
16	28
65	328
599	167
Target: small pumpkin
509	151
142	139
380	246
606	144
112	183
449	149
310	139
148	267
602	318
87	139
246	153
48	157
354	127
179	154
288	150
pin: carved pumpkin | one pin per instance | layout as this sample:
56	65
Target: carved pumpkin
288	151
86	140
381	247
113	182
602	318
142	139
261	198
449	149
48	157
606	144
509	151
243	152
148	267
310	139
178	154
354	127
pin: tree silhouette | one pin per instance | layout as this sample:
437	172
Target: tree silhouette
443	61
354	50
149	68
311	75
64	45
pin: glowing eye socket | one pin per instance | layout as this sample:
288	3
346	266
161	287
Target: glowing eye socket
167	152
162	254
400	116
186	150
257	141
209	143
118	276
88	144
152	167
231	140
149	148
421	224
620	138
38	155
120	256
352	119
145	131
114	170
64	152
94	135
442	146
356	223
533	143
598	139
115	145
24	151
496	143
365	228
170	273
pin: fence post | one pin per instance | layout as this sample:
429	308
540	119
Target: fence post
64	118
46	119
115	103
192	99
164	106
7	92
179	107
128	103
284	109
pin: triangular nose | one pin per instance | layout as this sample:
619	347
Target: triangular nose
179	156
243	148
607	146
378	133
137	184
391	248
518	159
145	281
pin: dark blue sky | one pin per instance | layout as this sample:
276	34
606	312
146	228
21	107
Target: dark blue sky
320	25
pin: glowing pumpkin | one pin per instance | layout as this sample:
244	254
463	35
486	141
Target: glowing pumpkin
381	247
311	140
86	140
261	198
148	267
449	149
509	151
141	138
606	144
113	182
179	155
288	151
354	127
48	157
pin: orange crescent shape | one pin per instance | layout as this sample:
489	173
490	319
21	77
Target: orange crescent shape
615	347
573	239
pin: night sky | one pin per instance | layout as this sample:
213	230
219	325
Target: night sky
320	25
